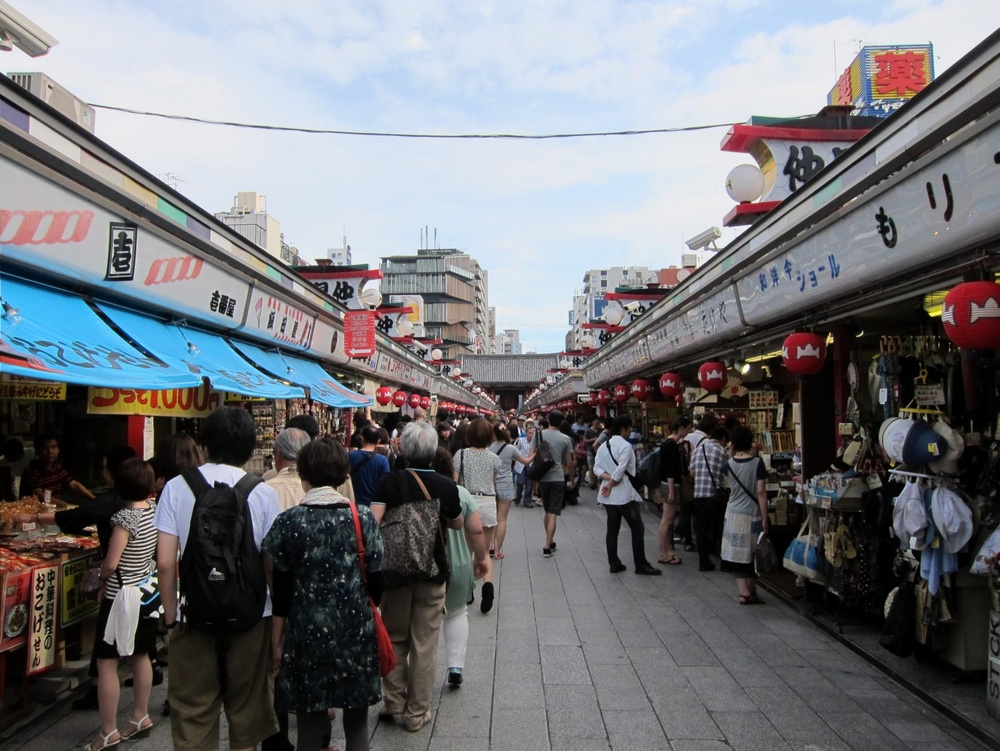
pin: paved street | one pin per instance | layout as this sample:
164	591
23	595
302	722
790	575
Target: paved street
579	659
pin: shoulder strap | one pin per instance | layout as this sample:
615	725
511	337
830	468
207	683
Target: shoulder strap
708	464
500	450
246	484
369	455
740	482
420	482
361	543
196	481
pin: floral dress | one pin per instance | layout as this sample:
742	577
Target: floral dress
329	657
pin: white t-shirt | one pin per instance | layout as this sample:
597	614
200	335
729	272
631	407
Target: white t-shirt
176	504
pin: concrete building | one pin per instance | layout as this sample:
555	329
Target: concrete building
508	342
249	217
597	283
455	291
340	256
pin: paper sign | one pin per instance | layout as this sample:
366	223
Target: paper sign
928	394
75	605
42	618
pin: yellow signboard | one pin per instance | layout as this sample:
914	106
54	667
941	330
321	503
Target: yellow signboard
16	387
75	605
193	402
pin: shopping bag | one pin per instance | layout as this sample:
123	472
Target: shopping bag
803	555
765	556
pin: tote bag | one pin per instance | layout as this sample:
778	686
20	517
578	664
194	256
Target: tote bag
803	556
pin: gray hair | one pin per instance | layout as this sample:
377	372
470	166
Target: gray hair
419	443
290	442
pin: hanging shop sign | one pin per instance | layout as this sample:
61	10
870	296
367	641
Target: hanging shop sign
75	606
349	286
715	317
359	333
14	609
168	403
882	79
19	387
273	318
45	225
930	212
327	342
42	602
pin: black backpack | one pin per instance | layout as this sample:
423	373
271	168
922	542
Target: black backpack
222	573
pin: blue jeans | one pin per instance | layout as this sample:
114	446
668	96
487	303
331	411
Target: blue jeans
519	478
526	493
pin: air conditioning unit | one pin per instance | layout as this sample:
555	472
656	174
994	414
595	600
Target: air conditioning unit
56	97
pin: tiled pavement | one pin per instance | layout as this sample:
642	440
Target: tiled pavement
576	658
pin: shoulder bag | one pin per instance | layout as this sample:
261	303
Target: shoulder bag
386	653
409	534
543	459
637	482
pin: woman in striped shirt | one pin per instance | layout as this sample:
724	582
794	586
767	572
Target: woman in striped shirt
129	563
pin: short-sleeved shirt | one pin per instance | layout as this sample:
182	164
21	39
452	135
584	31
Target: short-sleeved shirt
708	463
746	471
136	562
477	470
561	448
397	488
176	504
367	476
672	461
508	463
37	477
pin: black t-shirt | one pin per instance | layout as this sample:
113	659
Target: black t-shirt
397	488
672	460
97	512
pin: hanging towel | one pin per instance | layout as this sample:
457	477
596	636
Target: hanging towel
123	620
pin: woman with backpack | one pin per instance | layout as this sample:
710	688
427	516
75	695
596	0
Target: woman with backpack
477	469
323	648
506	493
746	513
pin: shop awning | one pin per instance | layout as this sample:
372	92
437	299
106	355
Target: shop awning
203	353
53	335
322	386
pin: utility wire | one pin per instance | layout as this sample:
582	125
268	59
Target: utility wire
325	131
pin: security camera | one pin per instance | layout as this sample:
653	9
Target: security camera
705	239
23	33
633	307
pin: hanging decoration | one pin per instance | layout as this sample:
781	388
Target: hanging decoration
383	395
671	385
425	402
971	315
593	398
804	353
414	400
712	376
642	389
604	397
622	393
399	398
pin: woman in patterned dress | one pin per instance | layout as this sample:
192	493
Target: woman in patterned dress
323	649
746	513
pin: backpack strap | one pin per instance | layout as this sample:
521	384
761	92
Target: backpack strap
369	455
246	484
196	481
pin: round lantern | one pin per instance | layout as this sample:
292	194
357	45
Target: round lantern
383	395
425	402
436	354
971	315
399	398
642	389
622	393
671	385
804	353
593	398
614	313
712	375
745	183
414	400
604	397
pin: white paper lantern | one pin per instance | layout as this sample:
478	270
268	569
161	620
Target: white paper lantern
371	297
404	326
587	341
745	183
436	354
614	313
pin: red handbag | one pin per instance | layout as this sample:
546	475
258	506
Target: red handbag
386	652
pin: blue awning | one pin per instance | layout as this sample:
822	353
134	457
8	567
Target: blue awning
206	354
322	386
56	336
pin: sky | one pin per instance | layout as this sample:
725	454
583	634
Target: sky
536	214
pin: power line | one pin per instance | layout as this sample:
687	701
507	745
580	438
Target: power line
376	134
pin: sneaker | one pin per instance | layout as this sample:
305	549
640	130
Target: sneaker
553	546
617	568
454	676
546	552
646	569
486	597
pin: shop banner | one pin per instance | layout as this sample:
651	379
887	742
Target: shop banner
19	387
14	609
42	616
75	605
278	320
327	342
169	403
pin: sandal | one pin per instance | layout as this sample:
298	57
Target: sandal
141	731
674	560
751	599
500	556
104	741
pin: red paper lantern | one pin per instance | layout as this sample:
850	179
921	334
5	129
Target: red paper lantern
971	315
671	385
414	400
383	395
425	402
642	389
622	393
593	398
399	398
713	375
604	397
804	353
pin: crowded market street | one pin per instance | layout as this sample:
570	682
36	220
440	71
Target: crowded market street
576	658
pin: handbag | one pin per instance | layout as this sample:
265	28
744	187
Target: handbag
543	459
765	556
90	582
409	534
386	653
802	556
